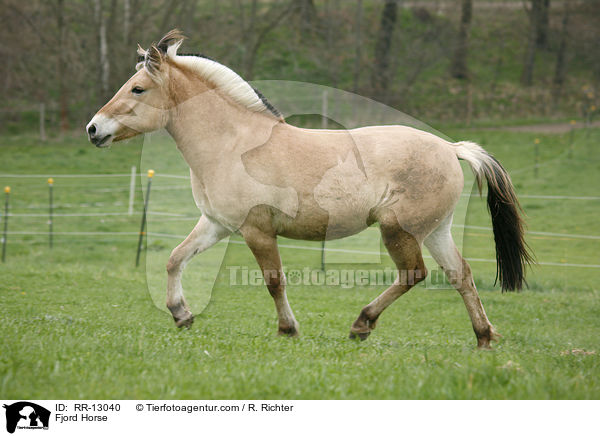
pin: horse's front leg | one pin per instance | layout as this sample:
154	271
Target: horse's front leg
264	248
206	233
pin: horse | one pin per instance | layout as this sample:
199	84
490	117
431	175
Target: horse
256	175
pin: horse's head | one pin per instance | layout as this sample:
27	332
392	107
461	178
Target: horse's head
143	102
165	80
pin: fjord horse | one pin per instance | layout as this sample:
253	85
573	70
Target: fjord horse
254	174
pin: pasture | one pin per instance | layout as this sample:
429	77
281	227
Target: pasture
80	321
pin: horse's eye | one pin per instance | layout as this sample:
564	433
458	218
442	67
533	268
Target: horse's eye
137	90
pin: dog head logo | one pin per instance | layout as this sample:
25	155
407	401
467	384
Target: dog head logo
24	414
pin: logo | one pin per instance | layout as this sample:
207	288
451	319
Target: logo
26	415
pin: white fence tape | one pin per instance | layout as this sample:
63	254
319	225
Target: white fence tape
184	217
296	247
177	176
177	216
542	197
342	250
531	232
98	214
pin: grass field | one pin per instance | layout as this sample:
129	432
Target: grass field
80	321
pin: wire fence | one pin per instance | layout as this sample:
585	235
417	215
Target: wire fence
51	214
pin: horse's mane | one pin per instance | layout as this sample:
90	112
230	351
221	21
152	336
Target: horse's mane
223	78
228	81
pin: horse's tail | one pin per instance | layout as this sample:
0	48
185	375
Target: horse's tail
512	253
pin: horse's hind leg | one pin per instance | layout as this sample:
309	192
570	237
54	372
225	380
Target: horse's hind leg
444	251
206	233
264	248
405	251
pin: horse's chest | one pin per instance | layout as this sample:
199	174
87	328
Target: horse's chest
202	196
230	200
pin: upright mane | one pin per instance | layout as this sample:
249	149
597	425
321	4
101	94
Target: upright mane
223	78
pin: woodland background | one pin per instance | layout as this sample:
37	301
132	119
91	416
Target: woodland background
450	62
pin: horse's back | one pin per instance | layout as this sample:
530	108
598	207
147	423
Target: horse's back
356	177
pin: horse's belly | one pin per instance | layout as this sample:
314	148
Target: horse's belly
326	228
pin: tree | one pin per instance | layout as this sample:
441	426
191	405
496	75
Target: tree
61	67
541	38
103	60
126	20
459	69
560	70
254	34
380	78
535	14
357	47
306	13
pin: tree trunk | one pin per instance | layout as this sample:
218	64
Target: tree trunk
529	62
248	60
358	43
307	14
255	35
103	60
62	89
459	69
560	70
331	19
185	17
126	20
380	78
541	38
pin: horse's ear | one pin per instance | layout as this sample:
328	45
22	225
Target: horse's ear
141	57
157	53
169	43
153	60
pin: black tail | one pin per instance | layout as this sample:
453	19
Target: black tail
512	252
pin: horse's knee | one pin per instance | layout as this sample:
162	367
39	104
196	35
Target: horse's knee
411	276
174	263
275	281
420	274
172	266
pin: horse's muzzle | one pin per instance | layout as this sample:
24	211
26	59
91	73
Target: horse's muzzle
99	142
98	132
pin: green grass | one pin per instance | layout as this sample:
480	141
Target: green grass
81	322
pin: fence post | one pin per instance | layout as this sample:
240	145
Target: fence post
4	235
536	152
571	138
324	110
43	122
324	119
589	119
50	211
131	190
469	102
143	226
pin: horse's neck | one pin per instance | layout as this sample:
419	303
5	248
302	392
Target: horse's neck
207	129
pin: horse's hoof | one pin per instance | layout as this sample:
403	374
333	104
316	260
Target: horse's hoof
483	344
291	332
361	336
186	322
484	339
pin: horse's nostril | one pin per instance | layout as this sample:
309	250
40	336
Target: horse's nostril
92	130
